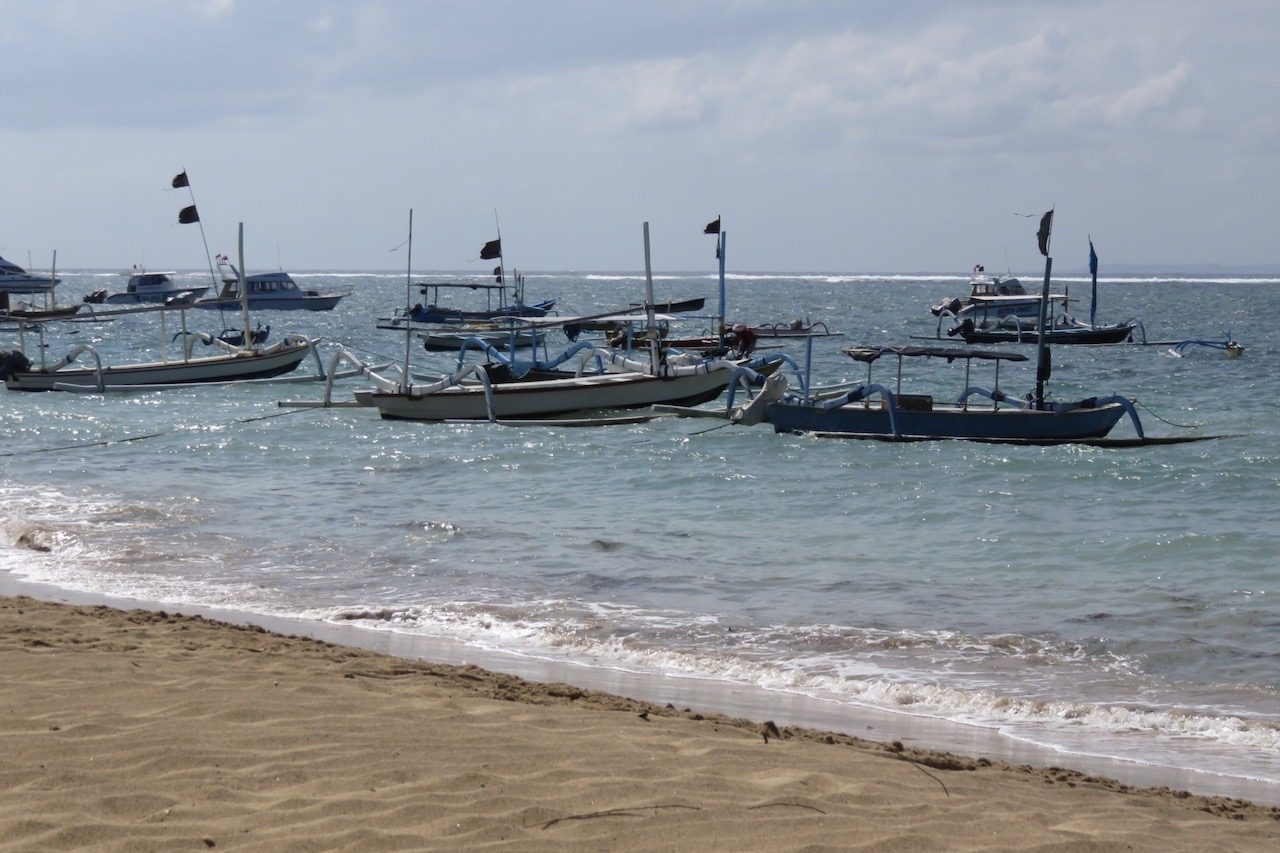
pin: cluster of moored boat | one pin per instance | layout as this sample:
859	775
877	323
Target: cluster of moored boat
620	360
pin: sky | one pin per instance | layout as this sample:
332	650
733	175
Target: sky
901	136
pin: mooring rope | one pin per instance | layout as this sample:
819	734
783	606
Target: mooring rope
107	442
1148	410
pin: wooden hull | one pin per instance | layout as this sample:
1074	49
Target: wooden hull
39	313
215	368
451	340
1069	335
975	423
512	400
436	314
289	303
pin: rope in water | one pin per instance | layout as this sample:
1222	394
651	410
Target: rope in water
1148	410
107	442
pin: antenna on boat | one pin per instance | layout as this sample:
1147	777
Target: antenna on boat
648	303
408	303
1044	361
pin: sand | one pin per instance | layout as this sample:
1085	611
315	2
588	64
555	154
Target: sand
138	730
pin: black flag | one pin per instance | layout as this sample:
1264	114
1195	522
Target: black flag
180	180
713	227
491	250
1046	225
188	215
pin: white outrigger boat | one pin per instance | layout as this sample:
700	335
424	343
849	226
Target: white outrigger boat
232	364
503	390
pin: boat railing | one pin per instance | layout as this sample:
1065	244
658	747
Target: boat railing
995	395
75	353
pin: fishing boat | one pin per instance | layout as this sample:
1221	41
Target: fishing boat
431	311
795	329
14	279
495	333
28	312
148	287
526	391
875	410
1062	330
470	395
233	363
271	291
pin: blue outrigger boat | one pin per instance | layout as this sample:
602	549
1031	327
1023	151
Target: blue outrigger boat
874	410
978	414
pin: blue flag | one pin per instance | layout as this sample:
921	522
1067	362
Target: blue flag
1093	260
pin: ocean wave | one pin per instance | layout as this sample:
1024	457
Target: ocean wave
858	676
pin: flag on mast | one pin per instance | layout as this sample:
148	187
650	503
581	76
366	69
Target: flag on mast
712	227
491	250
180	180
188	215
1046	225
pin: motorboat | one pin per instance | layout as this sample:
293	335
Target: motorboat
993	298
272	290
14	279
149	287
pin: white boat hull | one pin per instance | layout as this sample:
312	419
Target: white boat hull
213	368
513	400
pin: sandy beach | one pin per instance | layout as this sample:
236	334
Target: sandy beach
138	730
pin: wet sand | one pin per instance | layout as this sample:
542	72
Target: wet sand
140	730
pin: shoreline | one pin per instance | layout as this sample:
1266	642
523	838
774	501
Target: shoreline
737	701
131	728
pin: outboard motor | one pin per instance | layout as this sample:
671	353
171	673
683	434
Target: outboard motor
952	307
12	362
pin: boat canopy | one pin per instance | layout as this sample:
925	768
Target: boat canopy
869	354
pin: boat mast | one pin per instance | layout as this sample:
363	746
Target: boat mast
408	302
502	270
651	330
244	293
181	180
1043	358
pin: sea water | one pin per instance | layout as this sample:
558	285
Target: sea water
1109	603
